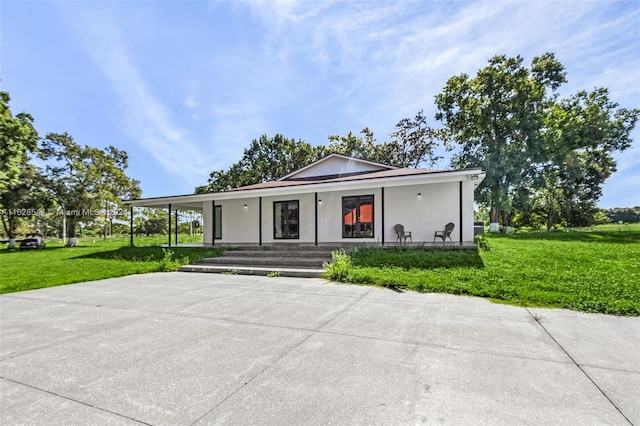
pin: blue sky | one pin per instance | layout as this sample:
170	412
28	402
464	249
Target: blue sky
185	86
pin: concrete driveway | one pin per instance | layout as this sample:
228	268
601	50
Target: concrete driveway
197	349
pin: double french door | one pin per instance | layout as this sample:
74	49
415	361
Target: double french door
357	213
286	221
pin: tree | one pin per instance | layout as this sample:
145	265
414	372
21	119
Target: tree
82	178
266	159
580	134
23	200
20	181
495	120
412	144
18	137
152	221
623	214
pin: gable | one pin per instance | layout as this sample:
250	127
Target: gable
336	165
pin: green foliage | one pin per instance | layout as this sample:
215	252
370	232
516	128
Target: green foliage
624	214
543	158
495	120
168	263
83	178
274	274
586	271
580	134
339	267
18	138
21	186
482	242
407	258
266	159
412	143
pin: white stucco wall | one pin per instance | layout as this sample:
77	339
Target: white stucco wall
207	225
239	224
438	204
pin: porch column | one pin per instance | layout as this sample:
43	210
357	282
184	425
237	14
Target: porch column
382	207
260	221
461	227
176	227
213	222
131	227
169	233
316	217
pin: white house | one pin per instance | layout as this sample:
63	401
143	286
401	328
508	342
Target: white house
335	201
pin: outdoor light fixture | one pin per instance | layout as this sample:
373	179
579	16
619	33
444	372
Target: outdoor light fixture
319	201
419	194
474	177
245	206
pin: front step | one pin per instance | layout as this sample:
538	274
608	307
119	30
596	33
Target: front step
294	261
303	262
250	270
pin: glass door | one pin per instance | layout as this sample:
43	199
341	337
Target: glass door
285	220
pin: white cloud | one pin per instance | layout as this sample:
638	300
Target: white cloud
147	121
318	67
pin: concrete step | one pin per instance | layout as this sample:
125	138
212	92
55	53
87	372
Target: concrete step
314	262
278	253
254	270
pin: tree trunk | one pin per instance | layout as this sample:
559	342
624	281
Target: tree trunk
12	243
507	219
72	241
494	217
549	221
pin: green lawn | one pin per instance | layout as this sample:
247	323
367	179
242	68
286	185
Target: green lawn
586	271
91	260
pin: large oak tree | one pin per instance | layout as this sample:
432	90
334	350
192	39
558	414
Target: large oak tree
495	121
83	178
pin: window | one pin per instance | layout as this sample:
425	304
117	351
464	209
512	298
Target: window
357	217
285	220
217	220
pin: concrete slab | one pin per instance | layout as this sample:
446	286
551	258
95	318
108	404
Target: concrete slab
595	340
27	325
303	311
30	406
432	322
331	379
621	387
160	370
177	348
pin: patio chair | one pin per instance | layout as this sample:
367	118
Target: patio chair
446	233
401	234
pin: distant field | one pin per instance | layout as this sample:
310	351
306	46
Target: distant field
581	270
91	260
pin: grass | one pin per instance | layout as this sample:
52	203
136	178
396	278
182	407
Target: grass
585	271
55	265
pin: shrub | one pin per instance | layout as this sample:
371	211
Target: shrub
338	269
168	263
483	242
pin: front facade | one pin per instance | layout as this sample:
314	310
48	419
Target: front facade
336	201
